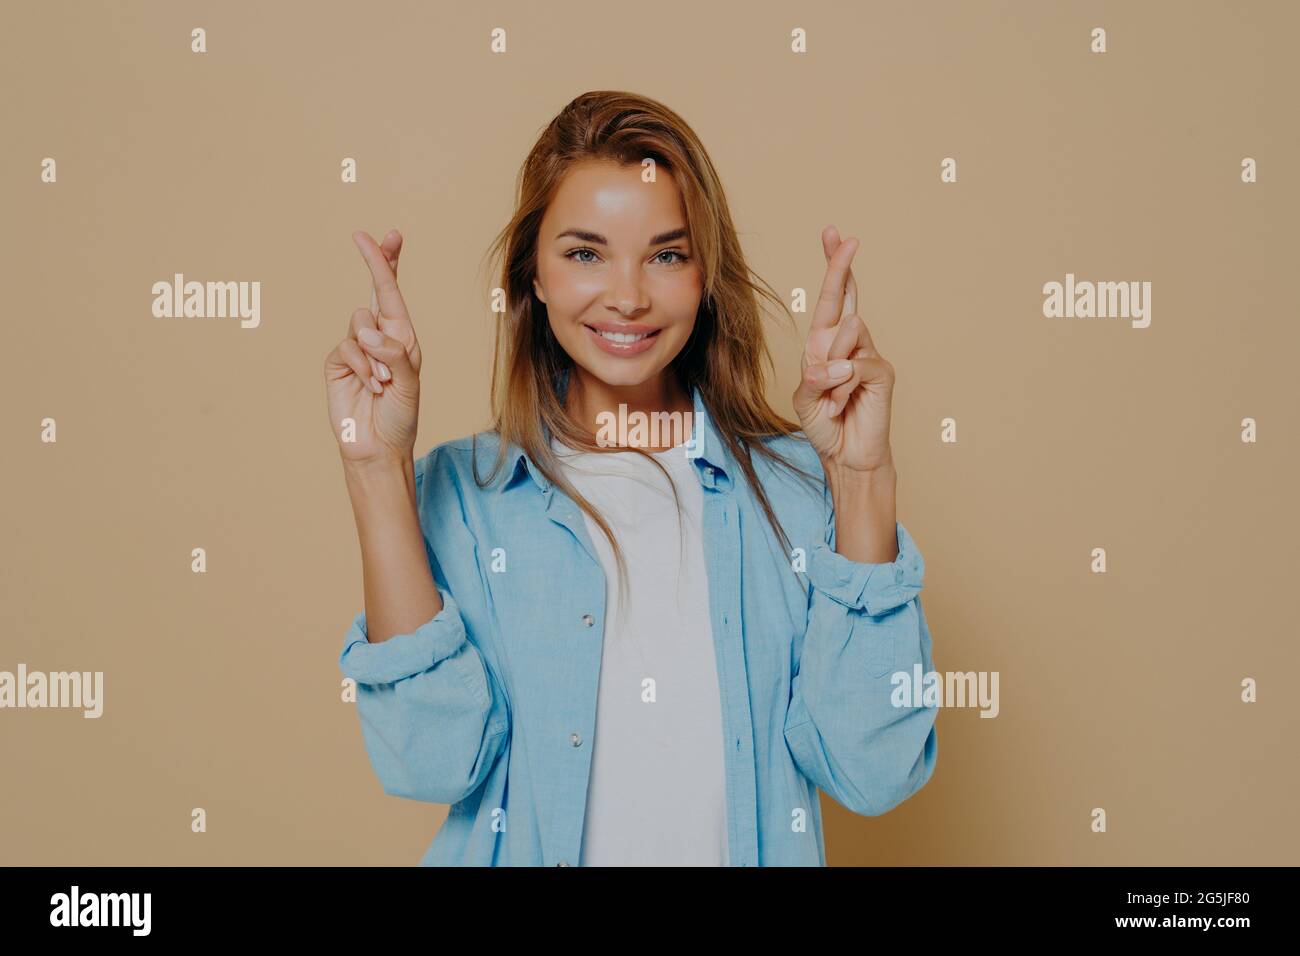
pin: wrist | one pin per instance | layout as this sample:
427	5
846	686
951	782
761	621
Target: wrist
880	477
377	476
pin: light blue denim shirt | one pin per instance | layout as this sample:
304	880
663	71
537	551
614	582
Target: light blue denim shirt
490	706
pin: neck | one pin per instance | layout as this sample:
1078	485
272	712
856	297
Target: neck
588	398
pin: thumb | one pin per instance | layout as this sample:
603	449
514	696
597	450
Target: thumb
817	380
386	349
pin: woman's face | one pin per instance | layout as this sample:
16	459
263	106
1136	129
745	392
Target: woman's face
613	255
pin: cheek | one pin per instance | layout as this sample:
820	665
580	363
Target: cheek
570	294
681	300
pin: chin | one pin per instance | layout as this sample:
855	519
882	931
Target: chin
621	375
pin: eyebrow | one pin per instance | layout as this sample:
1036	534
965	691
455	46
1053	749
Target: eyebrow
598	239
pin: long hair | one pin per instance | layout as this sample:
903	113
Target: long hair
725	353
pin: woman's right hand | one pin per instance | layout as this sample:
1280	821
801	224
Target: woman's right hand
376	385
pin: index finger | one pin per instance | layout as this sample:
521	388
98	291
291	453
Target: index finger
387	299
831	300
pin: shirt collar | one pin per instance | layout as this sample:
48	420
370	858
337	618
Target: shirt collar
706	450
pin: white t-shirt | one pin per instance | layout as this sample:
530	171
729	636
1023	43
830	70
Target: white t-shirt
657	793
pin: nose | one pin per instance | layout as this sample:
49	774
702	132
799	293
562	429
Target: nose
626	293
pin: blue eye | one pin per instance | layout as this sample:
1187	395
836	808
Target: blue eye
576	253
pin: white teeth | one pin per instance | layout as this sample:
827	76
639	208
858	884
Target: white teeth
621	337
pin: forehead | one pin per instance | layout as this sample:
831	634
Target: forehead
612	199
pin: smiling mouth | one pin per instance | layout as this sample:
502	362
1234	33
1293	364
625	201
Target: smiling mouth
624	338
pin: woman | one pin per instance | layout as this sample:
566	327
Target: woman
652	653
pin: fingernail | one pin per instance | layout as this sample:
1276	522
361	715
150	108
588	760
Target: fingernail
384	373
375	386
370	336
842	367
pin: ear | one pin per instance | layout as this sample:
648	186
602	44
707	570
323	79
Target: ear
537	289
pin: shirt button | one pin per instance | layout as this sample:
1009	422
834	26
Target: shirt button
575	739
588	620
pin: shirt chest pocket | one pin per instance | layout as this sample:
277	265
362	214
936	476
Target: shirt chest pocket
542	585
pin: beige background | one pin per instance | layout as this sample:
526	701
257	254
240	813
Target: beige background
222	690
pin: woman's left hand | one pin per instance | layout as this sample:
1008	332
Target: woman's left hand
845	416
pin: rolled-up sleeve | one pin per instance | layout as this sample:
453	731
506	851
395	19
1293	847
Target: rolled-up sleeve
433	716
865	623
